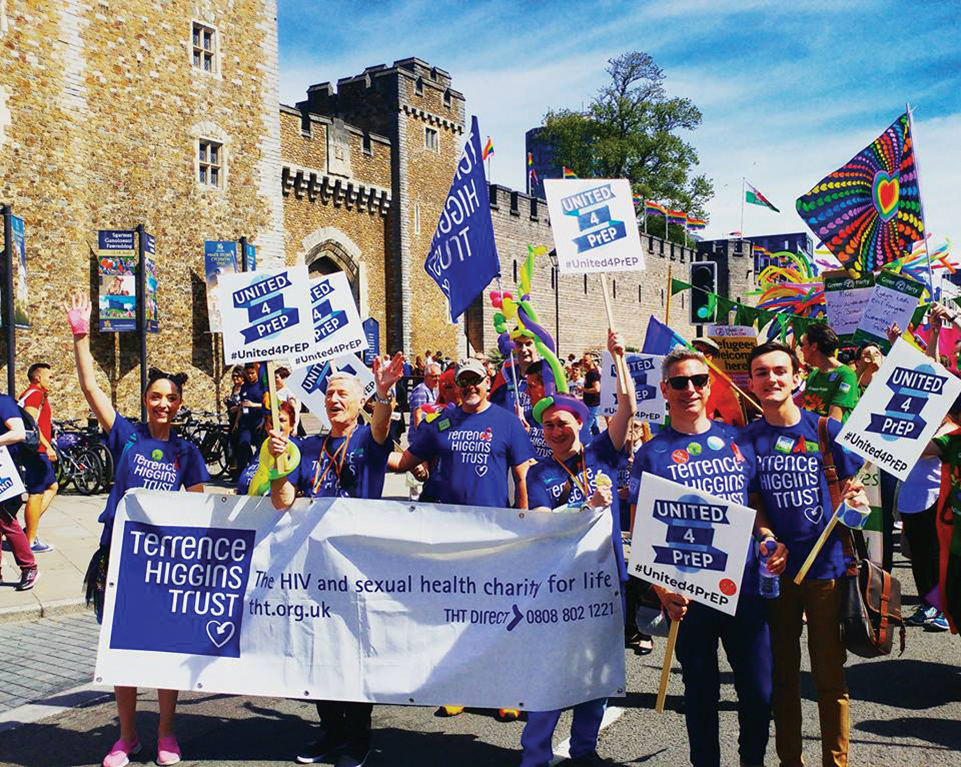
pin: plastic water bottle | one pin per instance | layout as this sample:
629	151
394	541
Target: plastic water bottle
770	584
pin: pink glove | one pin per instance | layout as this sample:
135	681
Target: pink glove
79	319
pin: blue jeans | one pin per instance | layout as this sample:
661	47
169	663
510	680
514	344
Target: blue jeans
595	427
747	644
539	731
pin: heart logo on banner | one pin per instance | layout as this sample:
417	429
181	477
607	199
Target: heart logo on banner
887	193
220	632
481	470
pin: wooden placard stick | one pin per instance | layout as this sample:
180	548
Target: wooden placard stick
623	378
666	668
832	523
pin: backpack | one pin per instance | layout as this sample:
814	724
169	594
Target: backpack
870	596
31	440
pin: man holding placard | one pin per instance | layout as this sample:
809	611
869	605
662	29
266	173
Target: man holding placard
710	456
790	446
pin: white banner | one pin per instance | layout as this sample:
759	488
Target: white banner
645	371
900	411
265	315
309	384
10	482
379	601
594	225
337	326
690	542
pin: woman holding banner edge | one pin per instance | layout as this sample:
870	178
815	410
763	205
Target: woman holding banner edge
152	449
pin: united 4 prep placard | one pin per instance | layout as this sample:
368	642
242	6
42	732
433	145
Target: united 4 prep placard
594	225
690	542
265	315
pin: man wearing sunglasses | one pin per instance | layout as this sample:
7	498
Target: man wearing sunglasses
710	456
349	462
477	444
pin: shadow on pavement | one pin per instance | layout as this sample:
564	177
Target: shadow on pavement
908	684
941	732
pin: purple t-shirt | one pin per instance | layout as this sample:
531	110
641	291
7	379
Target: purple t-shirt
476	451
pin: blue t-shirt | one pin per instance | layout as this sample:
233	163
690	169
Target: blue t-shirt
143	461
539	444
327	469
476	451
252	392
8	410
791	481
548	484
504	396
719	461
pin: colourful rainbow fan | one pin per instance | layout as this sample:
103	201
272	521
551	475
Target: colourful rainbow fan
868	212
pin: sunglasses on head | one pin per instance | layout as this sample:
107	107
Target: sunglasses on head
679	383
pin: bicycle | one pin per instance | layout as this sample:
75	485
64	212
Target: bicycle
211	436
79	464
90	437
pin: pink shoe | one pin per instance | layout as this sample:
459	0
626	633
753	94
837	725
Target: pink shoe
121	752
168	751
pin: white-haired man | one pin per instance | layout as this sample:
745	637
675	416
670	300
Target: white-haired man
425	393
350	461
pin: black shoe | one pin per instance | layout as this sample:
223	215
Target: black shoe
28	579
321	749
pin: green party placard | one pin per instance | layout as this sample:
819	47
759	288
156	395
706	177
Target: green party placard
893	301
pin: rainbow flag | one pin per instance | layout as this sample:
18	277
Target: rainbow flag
654	208
530	160
695	224
760	250
488	149
637	199
676	217
568	173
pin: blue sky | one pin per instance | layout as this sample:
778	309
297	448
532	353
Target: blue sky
788	93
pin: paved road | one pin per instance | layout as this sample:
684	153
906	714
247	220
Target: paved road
905	711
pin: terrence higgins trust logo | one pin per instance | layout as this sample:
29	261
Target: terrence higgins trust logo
181	589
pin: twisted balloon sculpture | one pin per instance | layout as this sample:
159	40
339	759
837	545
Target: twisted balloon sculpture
527	325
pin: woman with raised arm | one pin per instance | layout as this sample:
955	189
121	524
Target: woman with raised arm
149	455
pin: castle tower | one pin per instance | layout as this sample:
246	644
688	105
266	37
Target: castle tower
414	106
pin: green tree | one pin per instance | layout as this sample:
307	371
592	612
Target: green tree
632	130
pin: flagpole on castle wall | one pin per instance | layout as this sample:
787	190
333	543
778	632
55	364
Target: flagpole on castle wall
743	192
917	170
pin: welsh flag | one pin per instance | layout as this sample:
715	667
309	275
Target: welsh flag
754	196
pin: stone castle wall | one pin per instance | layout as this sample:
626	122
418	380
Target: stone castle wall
101	111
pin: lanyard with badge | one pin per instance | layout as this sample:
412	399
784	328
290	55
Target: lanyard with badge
331	461
583	486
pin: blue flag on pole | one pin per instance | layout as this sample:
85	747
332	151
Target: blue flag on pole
660	339
463	257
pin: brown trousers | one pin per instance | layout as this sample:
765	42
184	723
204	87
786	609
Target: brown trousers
820	600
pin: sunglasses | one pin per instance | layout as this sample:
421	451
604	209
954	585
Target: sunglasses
467	382
679	383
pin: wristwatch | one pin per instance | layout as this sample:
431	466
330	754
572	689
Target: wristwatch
388	400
